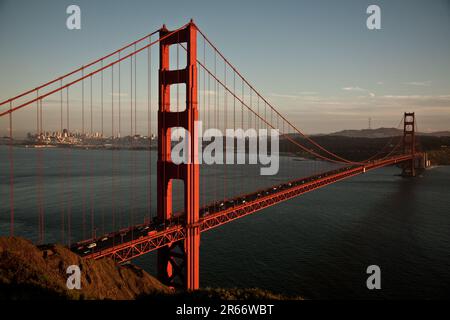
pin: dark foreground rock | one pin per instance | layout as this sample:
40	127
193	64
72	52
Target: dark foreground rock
29	272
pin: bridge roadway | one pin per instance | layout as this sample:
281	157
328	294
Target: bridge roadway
132	242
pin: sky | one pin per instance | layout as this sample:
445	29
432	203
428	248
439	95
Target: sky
315	59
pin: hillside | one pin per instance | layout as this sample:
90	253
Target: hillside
29	272
384	133
439	157
369	133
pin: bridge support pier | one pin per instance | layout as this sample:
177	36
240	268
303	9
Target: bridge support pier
178	264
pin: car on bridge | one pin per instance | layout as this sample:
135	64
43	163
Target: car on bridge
92	245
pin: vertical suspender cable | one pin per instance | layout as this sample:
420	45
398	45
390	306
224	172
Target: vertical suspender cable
242	171
120	206
224	150
69	185
83	160
61	164
234	118
82	102
41	178
91	172
133	151
38	133
204	116
178	94
149	131
209	116
102	99
119	93
131	141
113	154
216	94
11	173
118	154
103	136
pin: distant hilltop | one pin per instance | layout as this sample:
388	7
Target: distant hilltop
384	133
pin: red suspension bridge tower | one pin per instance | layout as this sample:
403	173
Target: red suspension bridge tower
178	263
409	143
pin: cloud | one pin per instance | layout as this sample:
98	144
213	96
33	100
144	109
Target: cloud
430	103
303	95
382	105
359	89
308	93
287	96
380	83
418	97
419	83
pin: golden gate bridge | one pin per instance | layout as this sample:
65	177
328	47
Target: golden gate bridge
206	87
